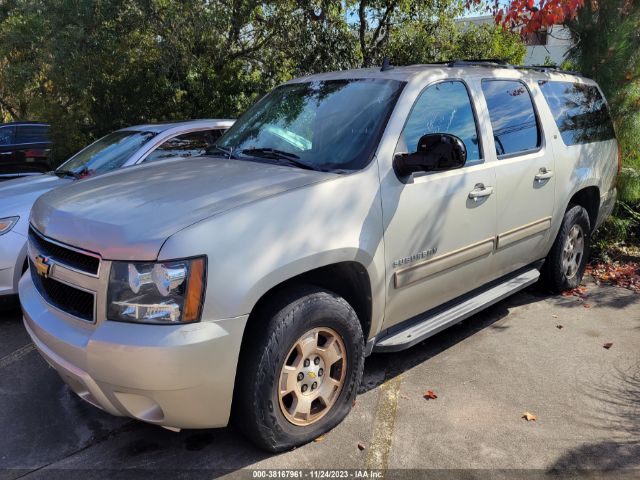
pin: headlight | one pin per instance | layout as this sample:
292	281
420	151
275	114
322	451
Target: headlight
6	224
163	292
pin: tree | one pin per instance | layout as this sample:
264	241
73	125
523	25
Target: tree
529	16
424	42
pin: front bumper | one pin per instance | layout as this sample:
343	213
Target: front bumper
13	252
177	376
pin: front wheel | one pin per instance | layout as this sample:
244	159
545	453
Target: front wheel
300	369
566	262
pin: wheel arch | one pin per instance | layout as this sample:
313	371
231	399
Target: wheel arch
589	199
348	279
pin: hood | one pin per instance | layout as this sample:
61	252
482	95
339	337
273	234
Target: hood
17	196
129	214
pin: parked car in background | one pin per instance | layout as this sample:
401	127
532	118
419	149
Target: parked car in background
25	149
122	148
344	213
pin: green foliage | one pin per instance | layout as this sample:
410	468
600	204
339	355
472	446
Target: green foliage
91	66
424	42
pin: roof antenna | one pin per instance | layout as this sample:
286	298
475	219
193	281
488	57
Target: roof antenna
386	65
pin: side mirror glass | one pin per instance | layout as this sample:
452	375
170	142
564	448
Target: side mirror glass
435	152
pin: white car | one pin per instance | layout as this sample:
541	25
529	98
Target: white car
122	148
345	213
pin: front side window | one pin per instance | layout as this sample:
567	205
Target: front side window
579	110
110	152
187	145
442	108
323	125
513	119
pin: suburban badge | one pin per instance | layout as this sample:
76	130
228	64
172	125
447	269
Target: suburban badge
418	256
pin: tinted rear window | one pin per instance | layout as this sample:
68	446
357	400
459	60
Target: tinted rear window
31	134
579	110
513	119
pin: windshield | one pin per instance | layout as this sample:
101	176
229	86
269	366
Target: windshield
106	154
324	125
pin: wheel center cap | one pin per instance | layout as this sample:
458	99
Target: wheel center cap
313	372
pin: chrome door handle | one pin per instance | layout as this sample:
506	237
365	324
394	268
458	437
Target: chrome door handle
480	191
543	174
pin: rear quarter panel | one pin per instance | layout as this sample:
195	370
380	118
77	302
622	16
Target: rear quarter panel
576	166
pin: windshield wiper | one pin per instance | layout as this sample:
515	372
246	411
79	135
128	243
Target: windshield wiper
275	154
228	151
66	173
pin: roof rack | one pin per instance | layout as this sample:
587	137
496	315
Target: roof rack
498	63
548	68
479	62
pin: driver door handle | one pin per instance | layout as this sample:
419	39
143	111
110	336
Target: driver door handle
543	174
480	191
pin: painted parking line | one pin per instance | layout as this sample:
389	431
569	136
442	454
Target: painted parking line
384	421
16	355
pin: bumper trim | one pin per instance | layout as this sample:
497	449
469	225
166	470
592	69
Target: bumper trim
74	376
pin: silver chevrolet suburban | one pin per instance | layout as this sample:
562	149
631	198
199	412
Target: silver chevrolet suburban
345	213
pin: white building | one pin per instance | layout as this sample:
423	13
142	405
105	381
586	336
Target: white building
551	44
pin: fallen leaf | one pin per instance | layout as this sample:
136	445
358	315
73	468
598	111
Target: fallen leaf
586	305
430	395
559	327
319	439
361	446
576	292
529	416
620	274
353	404
608	345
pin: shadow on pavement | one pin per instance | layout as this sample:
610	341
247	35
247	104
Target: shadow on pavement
620	419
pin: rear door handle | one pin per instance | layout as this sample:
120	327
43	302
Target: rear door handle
543	174
480	191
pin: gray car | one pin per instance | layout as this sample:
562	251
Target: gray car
122	148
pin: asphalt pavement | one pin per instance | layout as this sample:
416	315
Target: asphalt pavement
532	353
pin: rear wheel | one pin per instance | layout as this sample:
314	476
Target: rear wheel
300	370
565	264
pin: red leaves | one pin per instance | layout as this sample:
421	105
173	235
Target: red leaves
429	395
529	18
625	275
576	292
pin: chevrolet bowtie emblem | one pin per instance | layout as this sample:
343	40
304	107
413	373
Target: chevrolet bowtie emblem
43	266
312	375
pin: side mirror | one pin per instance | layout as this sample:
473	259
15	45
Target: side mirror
435	152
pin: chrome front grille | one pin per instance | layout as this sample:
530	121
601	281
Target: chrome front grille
64	255
68	279
74	301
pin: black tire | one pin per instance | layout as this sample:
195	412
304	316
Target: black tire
256	405
554	275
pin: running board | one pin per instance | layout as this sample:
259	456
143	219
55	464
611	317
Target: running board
436	322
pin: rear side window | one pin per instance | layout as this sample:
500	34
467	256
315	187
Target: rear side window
31	134
579	110
191	144
513	119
